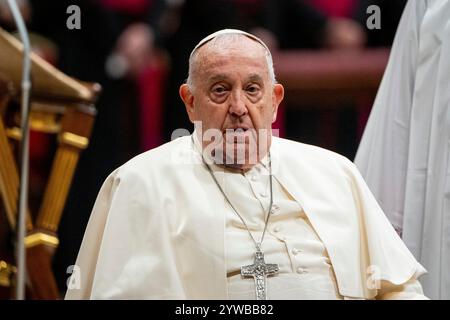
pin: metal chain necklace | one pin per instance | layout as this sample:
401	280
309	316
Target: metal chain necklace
259	270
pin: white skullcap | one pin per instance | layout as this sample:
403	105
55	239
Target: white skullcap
228	31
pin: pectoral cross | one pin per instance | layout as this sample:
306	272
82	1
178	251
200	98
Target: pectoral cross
259	270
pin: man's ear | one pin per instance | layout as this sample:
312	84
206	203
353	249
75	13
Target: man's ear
278	95
188	99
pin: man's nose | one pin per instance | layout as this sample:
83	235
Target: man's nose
238	106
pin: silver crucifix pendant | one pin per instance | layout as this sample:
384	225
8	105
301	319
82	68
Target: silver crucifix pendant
259	270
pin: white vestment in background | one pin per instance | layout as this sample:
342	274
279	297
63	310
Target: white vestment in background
404	152
157	230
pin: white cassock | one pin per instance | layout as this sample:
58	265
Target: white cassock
159	226
404	152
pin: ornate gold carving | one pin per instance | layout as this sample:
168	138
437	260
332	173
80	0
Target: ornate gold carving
9	180
57	189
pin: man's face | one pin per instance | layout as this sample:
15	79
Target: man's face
233	94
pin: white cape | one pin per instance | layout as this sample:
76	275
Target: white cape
157	227
404	152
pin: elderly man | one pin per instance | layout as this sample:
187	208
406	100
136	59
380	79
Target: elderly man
232	212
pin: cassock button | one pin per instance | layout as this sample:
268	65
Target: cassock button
276	229
295	251
254	177
263	194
